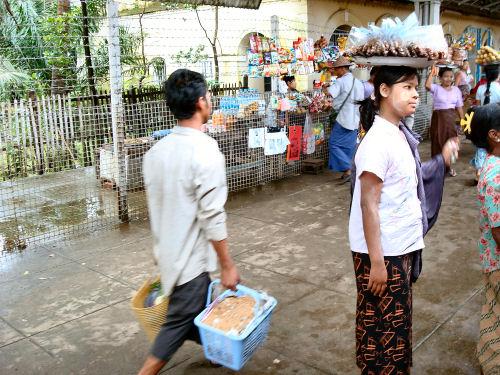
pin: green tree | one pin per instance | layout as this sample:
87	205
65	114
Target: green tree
58	46
191	56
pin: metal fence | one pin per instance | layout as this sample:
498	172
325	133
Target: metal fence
61	174
80	100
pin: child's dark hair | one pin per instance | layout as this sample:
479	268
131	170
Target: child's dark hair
485	118
182	90
389	75
444	70
288	79
492	73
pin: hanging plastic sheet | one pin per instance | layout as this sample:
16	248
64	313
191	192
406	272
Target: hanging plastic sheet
309	138
275	143
256	137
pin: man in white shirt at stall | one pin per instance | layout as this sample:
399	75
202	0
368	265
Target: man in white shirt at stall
346	91
185	181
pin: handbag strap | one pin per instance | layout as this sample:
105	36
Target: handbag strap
348	95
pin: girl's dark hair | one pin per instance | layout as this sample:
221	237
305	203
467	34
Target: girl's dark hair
389	75
444	70
182	90
288	79
373	71
492	73
485	118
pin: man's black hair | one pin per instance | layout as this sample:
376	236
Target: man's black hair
288	79
182	90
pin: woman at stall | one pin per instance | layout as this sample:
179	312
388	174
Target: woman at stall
395	200
487	93
368	85
463	80
485	133
447	100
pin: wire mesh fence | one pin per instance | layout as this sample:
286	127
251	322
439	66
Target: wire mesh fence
81	102
60	172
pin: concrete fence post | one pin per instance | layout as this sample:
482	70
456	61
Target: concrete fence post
116	84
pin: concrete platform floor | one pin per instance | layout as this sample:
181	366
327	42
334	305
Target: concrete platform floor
64	307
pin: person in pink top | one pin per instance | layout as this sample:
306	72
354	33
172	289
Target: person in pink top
447	100
485	133
463	80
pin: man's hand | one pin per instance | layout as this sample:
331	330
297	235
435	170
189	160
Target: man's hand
324	89
230	277
378	280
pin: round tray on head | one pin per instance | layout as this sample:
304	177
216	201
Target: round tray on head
414	62
451	66
491	63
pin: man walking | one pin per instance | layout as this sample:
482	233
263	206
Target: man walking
342	143
185	181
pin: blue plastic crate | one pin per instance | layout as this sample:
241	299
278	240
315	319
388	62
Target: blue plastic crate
234	351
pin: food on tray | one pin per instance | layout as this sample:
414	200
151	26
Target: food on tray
487	55
232	314
321	43
376	47
398	38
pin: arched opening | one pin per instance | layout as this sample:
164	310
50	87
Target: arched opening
378	21
341	31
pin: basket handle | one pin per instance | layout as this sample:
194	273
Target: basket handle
240	288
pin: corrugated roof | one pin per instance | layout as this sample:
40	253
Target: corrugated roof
249	4
484	8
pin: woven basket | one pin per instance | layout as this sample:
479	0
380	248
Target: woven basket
151	318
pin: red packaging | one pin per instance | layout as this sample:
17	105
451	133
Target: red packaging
253	44
258	40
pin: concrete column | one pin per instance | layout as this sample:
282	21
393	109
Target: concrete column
427	11
275	35
116	83
434	10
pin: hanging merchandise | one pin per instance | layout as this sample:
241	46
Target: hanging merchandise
256	137
275	143
319	134
466	41
342	40
266	59
321	102
308	138
295	138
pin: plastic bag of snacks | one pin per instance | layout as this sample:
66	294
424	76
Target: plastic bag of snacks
398	38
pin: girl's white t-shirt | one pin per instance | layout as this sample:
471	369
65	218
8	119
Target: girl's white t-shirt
385	152
494	93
